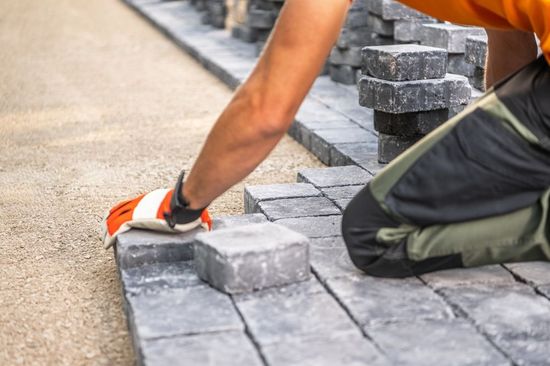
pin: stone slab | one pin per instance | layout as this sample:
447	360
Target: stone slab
534	273
298	207
404	62
486	275
252	257
476	50
315	227
413	96
403	300
334	177
451	37
456	64
253	195
432	343
225	348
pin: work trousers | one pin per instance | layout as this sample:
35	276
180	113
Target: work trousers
475	191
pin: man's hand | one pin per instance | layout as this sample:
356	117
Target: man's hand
159	210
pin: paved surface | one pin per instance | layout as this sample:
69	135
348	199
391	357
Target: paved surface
494	315
94	104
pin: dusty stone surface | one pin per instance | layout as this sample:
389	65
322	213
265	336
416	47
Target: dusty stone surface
89	93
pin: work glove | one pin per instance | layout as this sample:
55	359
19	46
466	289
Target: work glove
159	210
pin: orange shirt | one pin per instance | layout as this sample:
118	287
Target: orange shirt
527	15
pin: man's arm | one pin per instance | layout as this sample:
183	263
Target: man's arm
263	108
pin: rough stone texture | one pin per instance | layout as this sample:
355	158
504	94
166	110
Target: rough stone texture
392	10
404	62
348	349
486	275
408	30
138	247
441	342
478	79
476	50
307	129
456	64
344	74
528	352
225	348
413	96
294	315
354	154
323	140
330	258
174	312
409	124
391	146
315	227
298	207
545	290
346	56
253	195
451	37
253	257
334	177
233	221
339	193
403	299
380	26
534	273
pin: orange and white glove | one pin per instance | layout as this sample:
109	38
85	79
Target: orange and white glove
159	210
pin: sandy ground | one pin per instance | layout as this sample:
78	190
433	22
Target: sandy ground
95	106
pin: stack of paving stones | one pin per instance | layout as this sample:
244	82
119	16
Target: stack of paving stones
215	13
451	37
476	53
411	94
262	15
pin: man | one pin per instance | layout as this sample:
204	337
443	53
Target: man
473	192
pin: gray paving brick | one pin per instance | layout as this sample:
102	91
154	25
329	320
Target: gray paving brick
173	312
478	79
342	204
312	110
409	124
456	64
261	19
256	194
322	141
225	348
451	37
408	30
330	259
344	74
380	26
373	167
253	257
293	315
339	193
404	62
504	312
139	247
356	37
334	177
534	273
298	207
442	342
349	349
545	290
308	128
391	146
476	50
346	56
487	275
402	300
527	352
392	10
354	154
413	96
315	227
233	221
159	276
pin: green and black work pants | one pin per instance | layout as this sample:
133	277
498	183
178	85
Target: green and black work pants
475	191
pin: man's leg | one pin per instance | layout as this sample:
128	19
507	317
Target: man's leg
472	192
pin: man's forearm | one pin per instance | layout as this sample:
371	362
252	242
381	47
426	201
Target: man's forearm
264	107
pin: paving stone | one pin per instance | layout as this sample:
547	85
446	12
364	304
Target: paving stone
159	276
344	74
312	110
298	207
334	177
293	316
330	258
233	221
342	204
261	19
404	62
504	312
487	275
409	124
354	154
526	352
451	37
346	56
545	290
315	227
373	167
380	26
356	37
253	195
253	257
391	146
339	193
477	80
413	96
456	64
534	273
244	33
476	50
323	140
402	300
350	350
173	312
308	128
441	342
140	247
225	348
408	30
392	10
